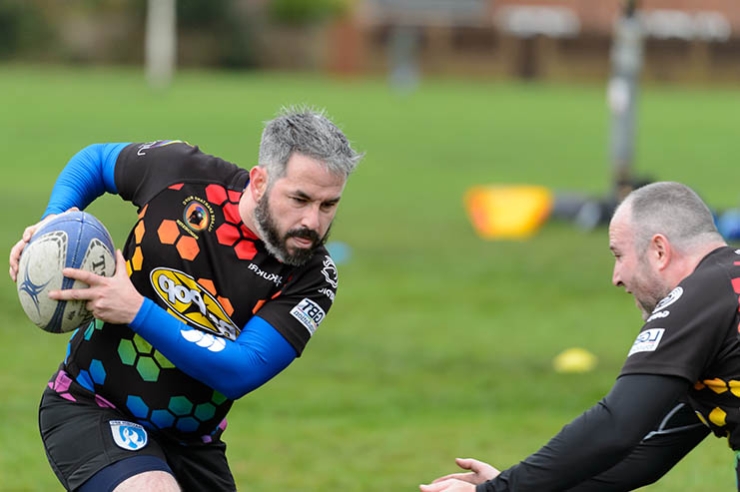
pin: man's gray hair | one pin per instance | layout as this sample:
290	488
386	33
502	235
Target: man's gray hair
674	210
309	132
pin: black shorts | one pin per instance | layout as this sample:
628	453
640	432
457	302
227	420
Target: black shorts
81	438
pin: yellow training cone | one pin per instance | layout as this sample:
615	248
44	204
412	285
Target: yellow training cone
508	212
574	359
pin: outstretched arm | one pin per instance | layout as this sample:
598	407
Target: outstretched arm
597	440
679	432
593	443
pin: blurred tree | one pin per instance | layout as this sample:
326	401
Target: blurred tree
300	12
23	29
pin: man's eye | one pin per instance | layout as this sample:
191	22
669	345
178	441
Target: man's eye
298	199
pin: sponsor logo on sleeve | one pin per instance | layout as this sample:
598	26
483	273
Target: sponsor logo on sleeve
647	341
328	293
309	314
153	145
658	315
128	435
330	272
674	295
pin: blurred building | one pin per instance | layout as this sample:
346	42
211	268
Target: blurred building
683	40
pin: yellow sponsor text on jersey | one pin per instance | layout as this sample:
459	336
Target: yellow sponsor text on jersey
191	303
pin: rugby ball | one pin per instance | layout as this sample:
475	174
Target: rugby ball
72	239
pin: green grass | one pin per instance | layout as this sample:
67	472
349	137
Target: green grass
440	343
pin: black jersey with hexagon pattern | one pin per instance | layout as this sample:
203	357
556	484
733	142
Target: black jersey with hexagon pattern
190	253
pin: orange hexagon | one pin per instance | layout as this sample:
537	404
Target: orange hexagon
188	247
139	232
245	250
208	285
216	194
137	259
168	231
226	304
227	234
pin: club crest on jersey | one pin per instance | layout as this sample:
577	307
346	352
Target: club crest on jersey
191	303
672	297
330	272
128	435
647	341
197	215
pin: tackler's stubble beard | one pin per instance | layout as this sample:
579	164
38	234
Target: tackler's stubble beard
276	243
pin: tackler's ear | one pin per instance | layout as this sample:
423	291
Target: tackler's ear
661	251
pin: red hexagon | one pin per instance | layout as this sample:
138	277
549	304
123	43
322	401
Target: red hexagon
227	234
231	213
216	194
245	250
234	196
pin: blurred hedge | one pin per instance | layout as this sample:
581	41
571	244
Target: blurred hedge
210	32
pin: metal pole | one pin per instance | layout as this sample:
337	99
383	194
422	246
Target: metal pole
161	42
626	59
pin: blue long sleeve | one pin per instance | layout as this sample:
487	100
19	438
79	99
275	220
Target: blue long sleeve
233	368
87	175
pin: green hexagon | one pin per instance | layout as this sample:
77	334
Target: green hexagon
205	411
147	368
179	405
218	398
142	346
96	324
163	362
127	352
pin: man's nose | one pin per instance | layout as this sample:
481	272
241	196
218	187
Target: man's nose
616	279
312	218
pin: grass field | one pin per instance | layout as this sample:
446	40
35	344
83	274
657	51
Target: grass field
440	343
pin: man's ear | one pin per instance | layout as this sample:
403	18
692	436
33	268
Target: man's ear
257	182
661	251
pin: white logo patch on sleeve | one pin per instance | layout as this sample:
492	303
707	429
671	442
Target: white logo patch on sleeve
672	297
647	341
309	314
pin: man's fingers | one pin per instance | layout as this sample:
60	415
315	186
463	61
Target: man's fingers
453	476
82	275
465	463
433	487
72	295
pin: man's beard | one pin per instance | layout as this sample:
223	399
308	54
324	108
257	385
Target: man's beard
276	244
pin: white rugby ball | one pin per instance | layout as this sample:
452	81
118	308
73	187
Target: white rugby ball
71	239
